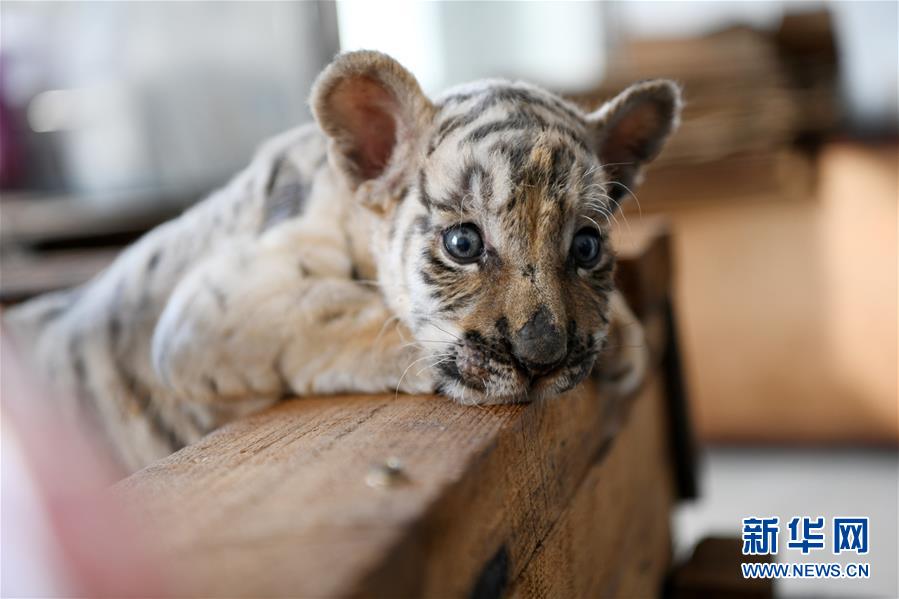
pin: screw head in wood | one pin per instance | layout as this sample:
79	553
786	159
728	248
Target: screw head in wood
390	473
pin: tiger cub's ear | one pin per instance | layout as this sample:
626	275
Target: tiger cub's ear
630	130
375	114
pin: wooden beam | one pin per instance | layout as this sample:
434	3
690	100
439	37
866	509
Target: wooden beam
279	503
613	539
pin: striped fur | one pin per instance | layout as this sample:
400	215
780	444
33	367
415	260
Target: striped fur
321	267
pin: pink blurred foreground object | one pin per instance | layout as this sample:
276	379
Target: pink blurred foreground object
63	534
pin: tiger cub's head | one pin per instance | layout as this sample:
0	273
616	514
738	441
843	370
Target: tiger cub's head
496	201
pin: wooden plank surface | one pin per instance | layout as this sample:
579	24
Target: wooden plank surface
278	504
613	539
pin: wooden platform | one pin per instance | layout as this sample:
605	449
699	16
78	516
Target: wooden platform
416	496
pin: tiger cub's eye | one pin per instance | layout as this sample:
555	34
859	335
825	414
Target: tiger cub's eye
586	247
463	243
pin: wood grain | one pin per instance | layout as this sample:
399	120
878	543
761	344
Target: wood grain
613	539
277	504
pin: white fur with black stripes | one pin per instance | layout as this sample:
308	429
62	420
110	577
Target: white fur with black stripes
304	274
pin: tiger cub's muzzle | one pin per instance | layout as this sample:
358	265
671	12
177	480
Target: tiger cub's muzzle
540	345
540	357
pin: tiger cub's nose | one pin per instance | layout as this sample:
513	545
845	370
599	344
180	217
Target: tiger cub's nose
540	344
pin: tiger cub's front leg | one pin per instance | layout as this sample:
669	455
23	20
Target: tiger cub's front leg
256	324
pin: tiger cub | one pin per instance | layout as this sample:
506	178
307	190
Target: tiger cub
457	245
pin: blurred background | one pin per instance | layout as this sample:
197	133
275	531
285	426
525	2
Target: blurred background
780	187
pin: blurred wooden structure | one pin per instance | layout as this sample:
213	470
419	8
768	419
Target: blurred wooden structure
785	237
51	243
748	92
713	571
418	497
